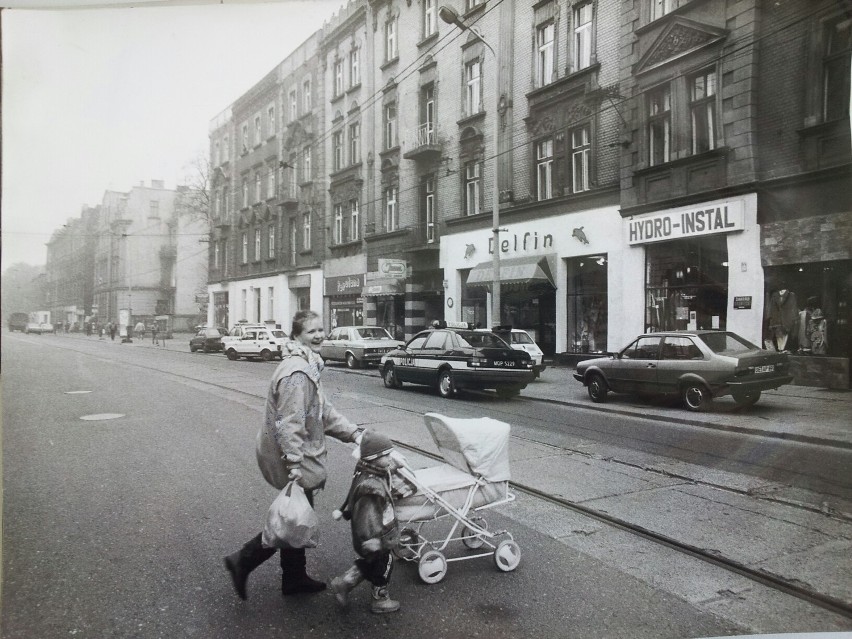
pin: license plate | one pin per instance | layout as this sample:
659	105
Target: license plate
503	363
769	368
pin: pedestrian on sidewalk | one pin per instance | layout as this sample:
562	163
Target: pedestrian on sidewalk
154	334
111	327
369	507
291	447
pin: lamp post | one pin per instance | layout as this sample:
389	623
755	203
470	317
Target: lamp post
451	16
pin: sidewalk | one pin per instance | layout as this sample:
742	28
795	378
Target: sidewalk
799	413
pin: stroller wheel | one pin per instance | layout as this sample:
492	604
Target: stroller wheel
408	544
470	538
432	567
507	556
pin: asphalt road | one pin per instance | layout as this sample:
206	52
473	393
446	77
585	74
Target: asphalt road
116	527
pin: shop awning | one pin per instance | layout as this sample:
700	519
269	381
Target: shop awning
383	289
515	271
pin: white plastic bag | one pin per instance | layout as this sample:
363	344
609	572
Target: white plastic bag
290	521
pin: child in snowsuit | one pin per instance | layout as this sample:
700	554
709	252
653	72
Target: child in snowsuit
375	531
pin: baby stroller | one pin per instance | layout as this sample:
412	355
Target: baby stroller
475	477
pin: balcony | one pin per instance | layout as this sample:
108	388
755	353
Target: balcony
289	195
425	145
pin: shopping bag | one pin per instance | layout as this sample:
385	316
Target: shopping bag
290	521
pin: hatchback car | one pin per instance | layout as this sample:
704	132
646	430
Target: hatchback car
695	365
207	339
453	358
520	340
358	345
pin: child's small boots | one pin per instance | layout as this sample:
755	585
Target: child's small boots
344	583
382	601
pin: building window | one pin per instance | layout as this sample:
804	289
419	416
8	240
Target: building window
391	212
429	208
245	248
337	150
270	183
307	167
293	234
337	234
154	209
544	60
216	153
258	187
257	244
390	126
270	120
473	87
226	202
217	205
581	158
354	221
216	255
835	68
258	134
544	169
390	40
354	68
245	138
472	189
430	24
702	106
270	302
659	125
306	231
245	192
271	241
294	106
307	98
659	8
338	78
583	36
354	142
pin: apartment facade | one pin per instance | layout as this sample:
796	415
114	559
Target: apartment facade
69	271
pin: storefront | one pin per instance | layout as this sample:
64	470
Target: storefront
384	303
220	310
701	267
561	279
345	304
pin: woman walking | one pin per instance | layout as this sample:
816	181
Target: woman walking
291	446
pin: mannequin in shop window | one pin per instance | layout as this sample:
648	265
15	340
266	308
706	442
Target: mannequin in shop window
783	318
817	328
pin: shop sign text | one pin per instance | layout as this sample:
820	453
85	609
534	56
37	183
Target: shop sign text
673	225
344	285
526	242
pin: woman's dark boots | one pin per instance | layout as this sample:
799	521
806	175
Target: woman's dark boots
294	578
241	563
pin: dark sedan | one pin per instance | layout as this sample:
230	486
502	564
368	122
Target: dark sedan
452	358
695	365
207	339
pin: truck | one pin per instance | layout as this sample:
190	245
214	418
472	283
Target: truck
254	341
18	322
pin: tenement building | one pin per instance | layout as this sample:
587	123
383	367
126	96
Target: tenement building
634	165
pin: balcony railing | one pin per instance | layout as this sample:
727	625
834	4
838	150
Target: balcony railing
289	193
425	145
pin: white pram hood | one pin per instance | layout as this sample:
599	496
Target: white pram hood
479	446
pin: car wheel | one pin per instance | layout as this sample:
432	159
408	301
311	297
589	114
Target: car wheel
744	400
446	387
696	397
389	377
351	361
508	392
266	355
597	388
192	349
232	354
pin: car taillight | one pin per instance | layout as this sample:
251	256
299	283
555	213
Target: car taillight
476	362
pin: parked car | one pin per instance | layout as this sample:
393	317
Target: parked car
38	327
695	365
254	340
18	322
454	356
207	339
358	345
520	340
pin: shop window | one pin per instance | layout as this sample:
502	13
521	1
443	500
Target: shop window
807	308
686	284
473	302
587	304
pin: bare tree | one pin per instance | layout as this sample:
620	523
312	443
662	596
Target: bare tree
193	197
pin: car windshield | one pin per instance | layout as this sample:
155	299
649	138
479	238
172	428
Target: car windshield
372	333
521	338
213	332
279	334
481	340
727	343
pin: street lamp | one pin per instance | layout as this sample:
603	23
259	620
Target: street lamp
451	16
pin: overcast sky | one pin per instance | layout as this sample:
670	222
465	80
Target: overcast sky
103	98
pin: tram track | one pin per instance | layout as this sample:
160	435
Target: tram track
714	558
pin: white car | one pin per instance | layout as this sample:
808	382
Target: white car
253	341
38	327
520	340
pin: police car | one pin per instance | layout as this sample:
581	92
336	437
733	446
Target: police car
453	356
